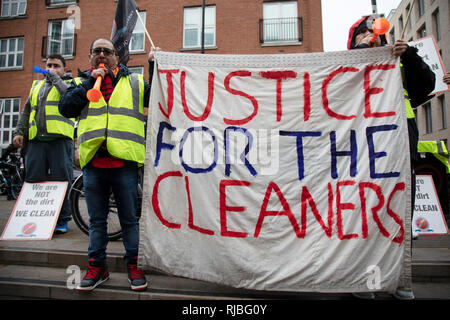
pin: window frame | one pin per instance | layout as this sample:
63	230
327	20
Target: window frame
11	113
62	37
59	4
422	31
15	52
421	8
198	27
281	39
9	3
134	70
143	15
436	24
428	118
443	107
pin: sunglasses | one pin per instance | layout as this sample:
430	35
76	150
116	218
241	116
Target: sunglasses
107	52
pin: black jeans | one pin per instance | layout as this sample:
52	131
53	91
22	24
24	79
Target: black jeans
51	161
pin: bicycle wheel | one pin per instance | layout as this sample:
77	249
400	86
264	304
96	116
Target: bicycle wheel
80	213
16	185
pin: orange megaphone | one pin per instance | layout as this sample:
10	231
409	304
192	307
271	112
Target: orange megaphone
379	26
95	94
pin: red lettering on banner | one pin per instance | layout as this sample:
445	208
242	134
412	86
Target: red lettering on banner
368	91
191	214
343	206
224	208
398	187
155	200
325	84
306	96
287	212
379	193
279	76
209	102
240	73
168	73
306	198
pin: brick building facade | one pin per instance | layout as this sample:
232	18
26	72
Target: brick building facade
31	29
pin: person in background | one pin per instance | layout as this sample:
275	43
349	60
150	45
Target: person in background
47	134
418	82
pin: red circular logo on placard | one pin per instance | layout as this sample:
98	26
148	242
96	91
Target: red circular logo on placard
29	228
421	223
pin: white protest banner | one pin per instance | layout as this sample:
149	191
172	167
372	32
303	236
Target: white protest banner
36	211
428	217
429	52
278	172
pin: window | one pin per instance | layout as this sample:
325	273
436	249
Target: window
428	118
11	53
137	41
55	3
421	7
436	25
61	37
400	24
13	8
392	35
9	117
138	70
192	29
280	21
441	100
408	7
422	32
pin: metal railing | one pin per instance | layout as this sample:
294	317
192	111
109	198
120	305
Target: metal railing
279	30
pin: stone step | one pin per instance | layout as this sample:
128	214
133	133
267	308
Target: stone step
426	267
32	282
50	283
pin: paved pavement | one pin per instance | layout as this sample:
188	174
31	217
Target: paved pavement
426	248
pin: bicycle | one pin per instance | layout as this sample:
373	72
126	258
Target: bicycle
11	176
80	213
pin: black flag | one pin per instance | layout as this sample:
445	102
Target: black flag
122	30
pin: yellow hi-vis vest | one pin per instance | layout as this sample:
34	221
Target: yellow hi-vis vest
438	149
55	122
120	122
409	110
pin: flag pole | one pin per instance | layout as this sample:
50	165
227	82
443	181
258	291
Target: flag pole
146	32
407	19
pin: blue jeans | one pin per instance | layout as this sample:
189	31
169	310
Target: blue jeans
97	185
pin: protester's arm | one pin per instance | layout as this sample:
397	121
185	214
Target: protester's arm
419	79
59	84
151	63
446	78
74	100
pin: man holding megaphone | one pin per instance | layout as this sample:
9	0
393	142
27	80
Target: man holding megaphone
111	135
49	135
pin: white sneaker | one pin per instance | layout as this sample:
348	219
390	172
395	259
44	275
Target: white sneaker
364	295
403	294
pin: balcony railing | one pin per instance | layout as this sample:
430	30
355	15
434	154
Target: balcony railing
280	30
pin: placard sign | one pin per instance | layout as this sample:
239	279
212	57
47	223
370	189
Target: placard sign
36	211
428	217
429	52
278	172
